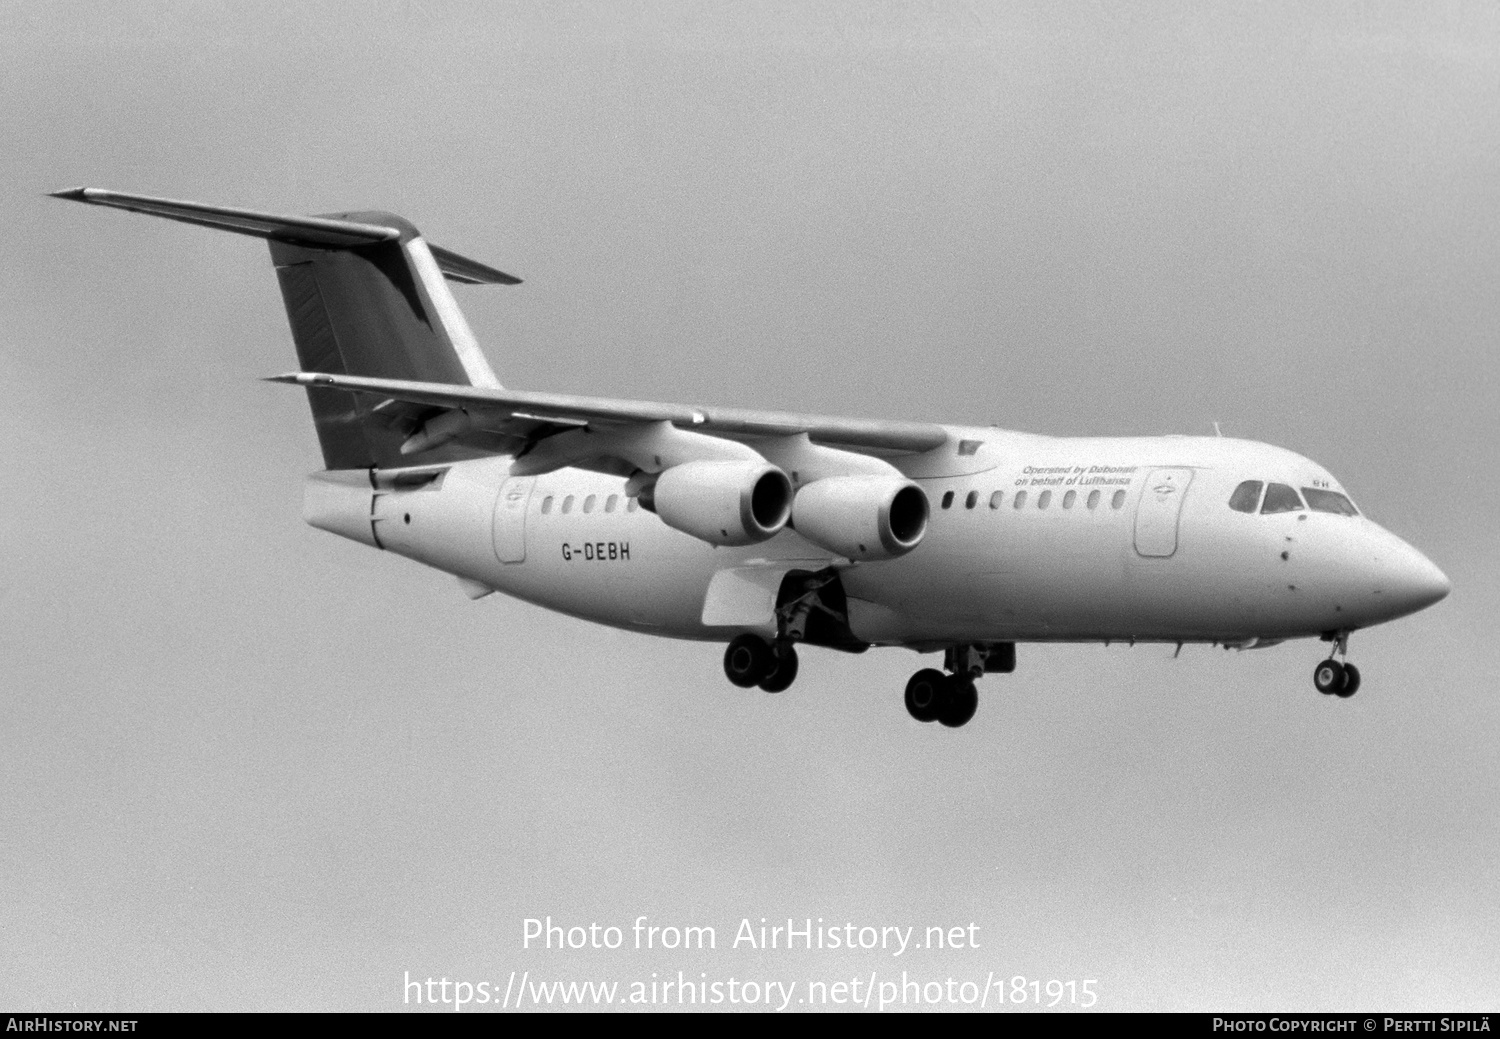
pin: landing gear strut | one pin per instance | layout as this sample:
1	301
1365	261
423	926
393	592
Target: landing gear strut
1332	678
750	661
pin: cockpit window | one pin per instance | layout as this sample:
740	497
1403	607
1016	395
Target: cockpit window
1329	501
1281	498
1246	496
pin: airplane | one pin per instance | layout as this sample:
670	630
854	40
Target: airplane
767	531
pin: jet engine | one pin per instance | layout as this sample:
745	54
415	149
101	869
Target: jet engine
723	503
862	517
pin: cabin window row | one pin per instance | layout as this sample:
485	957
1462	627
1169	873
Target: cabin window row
1043	500
590	503
1280	497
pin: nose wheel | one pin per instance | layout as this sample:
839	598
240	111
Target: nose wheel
1332	678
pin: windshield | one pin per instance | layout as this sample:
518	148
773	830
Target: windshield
1329	501
1281	498
1246	496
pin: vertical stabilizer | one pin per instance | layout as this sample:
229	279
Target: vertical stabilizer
382	309
365	294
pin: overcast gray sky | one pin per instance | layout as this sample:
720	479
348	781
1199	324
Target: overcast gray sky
250	765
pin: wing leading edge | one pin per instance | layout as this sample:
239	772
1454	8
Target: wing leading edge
438	412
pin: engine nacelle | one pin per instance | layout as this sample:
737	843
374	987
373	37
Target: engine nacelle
862	517
723	503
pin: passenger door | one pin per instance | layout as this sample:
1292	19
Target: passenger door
1157	513
510	519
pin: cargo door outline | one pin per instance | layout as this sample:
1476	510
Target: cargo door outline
509	529
1159	510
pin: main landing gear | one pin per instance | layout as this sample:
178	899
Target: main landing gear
951	700
752	661
932	696
810	607
1333	678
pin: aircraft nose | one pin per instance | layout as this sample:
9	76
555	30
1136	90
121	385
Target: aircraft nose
1412	581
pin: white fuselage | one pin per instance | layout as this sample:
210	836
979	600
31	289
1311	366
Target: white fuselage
1115	538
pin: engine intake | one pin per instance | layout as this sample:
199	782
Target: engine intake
723	503
862	517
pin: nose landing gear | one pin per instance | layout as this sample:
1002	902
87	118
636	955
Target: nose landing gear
1332	678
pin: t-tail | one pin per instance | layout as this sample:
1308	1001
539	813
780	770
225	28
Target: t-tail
365	295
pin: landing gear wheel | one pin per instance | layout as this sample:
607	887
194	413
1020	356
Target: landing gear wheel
748	660
927	694
963	701
1329	677
783	668
1351	681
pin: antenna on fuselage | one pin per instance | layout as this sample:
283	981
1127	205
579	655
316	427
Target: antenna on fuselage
1217	431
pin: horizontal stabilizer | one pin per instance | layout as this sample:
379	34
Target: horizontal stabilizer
470	272
366	295
302	230
321	231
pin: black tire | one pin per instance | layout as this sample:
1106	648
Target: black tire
1328	677
963	701
747	660
927	694
783	669
1351	681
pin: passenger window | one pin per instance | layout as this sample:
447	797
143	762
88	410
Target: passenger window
1069	499
611	502
567	505
546	505
948	500
1118	501
1044	499
1246	496
1019	501
1093	499
995	499
972	500
1329	501
1280	498
588	503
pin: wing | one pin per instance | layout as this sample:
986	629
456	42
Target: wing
548	431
